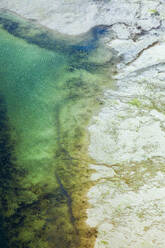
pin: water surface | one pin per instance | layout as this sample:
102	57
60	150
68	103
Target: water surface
48	92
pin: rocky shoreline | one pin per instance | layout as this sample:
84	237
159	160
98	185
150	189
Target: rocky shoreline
127	137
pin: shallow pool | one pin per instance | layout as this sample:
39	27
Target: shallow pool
49	88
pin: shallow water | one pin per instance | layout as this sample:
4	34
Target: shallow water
47	95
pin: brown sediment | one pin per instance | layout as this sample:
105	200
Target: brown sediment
78	192
80	204
87	235
79	183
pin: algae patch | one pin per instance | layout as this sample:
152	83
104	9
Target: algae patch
135	102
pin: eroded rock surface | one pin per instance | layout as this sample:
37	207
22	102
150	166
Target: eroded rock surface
76	16
128	140
128	135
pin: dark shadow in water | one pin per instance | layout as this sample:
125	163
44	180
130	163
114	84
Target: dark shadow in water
8	173
3	154
36	34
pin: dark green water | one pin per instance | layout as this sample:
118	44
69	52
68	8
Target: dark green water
47	95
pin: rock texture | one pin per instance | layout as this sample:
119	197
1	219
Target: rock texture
76	16
128	135
128	139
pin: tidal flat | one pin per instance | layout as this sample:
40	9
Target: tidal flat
49	88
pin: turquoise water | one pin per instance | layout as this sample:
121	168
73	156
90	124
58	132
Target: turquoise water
47	96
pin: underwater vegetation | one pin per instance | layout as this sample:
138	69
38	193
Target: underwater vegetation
48	91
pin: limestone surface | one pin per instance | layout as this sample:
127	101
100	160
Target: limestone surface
127	137
76	16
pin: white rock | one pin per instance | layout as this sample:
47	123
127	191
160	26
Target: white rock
74	16
121	31
129	49
129	135
146	60
101	172
148	24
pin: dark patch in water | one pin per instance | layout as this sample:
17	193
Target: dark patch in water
10	26
69	201
44	39
100	30
8	172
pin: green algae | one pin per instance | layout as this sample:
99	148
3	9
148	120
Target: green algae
135	102
48	98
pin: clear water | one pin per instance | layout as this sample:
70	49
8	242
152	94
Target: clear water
47	96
